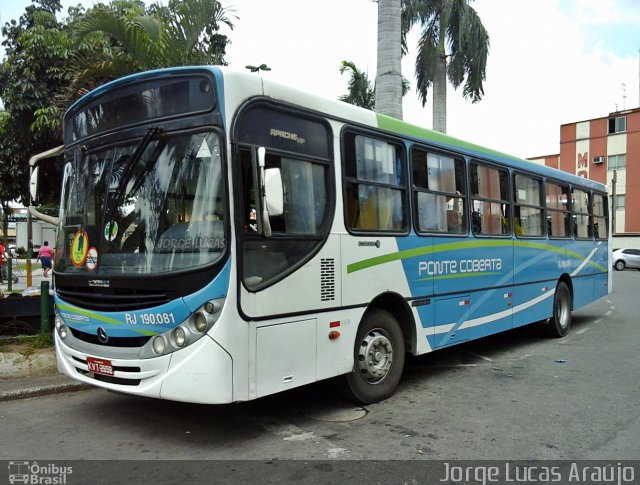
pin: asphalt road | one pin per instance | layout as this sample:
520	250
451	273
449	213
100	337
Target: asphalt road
515	396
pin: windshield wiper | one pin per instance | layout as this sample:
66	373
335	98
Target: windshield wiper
137	154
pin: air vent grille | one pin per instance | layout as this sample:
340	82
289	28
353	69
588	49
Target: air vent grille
327	279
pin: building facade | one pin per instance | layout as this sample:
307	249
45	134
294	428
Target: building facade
606	149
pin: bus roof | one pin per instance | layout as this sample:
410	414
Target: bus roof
350	113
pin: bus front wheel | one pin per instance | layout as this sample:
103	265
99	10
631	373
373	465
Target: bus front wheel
559	323
379	359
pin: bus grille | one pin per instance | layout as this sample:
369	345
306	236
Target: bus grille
111	299
112	342
123	381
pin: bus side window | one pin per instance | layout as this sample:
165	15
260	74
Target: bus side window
439	187
490	192
374	184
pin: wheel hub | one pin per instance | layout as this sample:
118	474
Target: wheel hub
375	356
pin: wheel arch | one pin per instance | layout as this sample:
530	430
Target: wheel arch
566	279
398	307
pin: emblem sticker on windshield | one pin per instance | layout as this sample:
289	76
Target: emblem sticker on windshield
92	258
79	248
110	230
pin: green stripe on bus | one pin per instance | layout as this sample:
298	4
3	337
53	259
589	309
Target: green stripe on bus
411	253
87	313
403	128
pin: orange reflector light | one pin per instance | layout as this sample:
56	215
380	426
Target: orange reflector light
334	335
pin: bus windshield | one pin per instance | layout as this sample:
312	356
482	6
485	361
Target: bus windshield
147	206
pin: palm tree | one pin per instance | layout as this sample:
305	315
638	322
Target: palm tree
456	25
184	32
361	92
389	71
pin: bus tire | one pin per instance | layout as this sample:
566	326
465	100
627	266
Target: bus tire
559	323
378	359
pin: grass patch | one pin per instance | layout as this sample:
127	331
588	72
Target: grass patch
41	341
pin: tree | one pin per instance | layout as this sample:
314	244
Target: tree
361	92
389	72
37	49
451	29
185	32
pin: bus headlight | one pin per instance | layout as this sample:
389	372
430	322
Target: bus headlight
186	333
158	345
200	322
58	322
179	336
63	332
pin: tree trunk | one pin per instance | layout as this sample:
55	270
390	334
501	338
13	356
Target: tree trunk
440	85
389	71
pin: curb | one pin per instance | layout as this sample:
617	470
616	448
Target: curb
42	391
16	364
31	375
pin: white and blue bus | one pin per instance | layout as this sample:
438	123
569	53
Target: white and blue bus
223	237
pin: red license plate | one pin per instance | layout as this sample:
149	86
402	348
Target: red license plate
99	366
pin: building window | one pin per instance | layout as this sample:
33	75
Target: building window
619	202
617	125
617	162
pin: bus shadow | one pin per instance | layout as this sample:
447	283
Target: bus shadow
213	426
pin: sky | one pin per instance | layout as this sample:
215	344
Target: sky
551	62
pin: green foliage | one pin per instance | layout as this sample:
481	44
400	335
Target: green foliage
184	32
362	91
29	342
49	63
452	34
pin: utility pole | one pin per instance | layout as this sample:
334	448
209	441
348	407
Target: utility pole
613	201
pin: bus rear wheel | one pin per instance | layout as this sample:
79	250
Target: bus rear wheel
379	359
559	323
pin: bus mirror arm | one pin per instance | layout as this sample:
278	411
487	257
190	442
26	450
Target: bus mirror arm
266	225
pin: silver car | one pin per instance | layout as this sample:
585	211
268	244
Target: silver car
626	258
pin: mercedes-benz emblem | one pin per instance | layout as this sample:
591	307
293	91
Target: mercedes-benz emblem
102	335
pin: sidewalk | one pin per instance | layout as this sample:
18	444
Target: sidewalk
35	373
36	278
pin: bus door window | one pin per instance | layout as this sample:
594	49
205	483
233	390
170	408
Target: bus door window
439	187
375	186
296	231
490	192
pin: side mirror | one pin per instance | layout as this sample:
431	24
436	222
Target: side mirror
273	191
33	185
